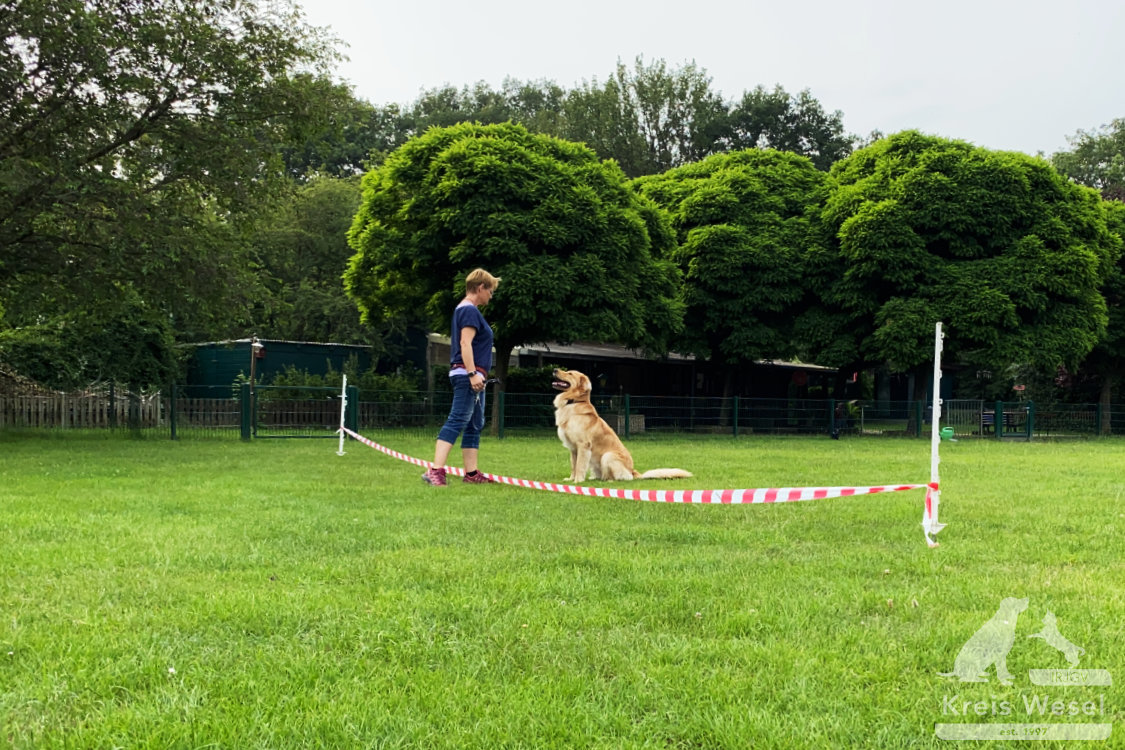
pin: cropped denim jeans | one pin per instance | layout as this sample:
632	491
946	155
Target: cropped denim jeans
466	416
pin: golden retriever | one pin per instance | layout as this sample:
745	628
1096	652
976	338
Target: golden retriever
594	447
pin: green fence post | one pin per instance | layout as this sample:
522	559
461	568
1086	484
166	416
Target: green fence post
246	409
998	420
919	414
172	413
831	416
736	416
501	403
627	418
351	409
1098	419
1030	420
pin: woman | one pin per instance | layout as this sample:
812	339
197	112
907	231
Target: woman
470	359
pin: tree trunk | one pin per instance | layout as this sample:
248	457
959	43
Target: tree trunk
1106	403
728	391
133	412
500	367
917	390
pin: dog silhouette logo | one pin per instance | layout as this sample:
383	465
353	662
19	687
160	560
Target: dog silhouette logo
1050	633
989	646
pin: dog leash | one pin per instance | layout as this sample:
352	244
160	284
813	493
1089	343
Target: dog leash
487	382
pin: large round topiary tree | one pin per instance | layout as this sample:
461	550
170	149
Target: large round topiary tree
578	252
747	226
1009	254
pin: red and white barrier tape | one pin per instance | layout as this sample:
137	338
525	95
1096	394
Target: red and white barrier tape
724	497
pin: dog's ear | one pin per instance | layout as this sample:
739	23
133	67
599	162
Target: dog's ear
584	384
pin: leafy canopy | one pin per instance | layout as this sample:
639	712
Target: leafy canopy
1097	159
1107	360
121	342
796	123
304	249
998	245
578	252
746	224
649	118
136	141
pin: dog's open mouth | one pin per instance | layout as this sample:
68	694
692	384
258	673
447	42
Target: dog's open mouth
560	385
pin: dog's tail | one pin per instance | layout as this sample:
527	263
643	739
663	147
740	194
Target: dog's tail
664	474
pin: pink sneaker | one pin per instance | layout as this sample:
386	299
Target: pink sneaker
477	478
435	477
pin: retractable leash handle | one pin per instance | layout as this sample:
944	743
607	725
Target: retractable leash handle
487	382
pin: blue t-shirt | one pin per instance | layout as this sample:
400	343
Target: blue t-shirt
468	316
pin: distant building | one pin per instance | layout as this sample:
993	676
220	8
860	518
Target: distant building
615	369
220	363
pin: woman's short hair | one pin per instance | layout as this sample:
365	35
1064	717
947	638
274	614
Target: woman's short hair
479	277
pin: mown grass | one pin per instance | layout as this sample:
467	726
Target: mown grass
275	595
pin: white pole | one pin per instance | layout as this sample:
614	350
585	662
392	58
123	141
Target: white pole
343	411
930	523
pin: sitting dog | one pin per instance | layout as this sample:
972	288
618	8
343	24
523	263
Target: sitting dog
594	447
989	646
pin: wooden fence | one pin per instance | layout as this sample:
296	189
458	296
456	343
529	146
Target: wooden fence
81	410
299	414
208	412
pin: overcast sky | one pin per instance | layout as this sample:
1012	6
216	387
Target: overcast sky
1016	75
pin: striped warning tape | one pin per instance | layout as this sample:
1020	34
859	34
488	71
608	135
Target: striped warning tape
723	497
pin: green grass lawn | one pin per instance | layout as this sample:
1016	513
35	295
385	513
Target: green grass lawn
275	595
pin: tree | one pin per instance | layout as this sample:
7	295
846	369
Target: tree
123	341
1107	361
537	105
649	119
779	120
346	136
997	245
601	117
746	226
1097	159
540	106
578	252
303	251
137	140
446	106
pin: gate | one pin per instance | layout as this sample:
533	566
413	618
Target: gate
298	411
963	415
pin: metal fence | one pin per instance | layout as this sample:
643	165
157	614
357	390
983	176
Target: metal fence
204	411
185	412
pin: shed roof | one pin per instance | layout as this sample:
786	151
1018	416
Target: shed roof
604	352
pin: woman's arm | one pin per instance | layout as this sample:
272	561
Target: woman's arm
467	336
